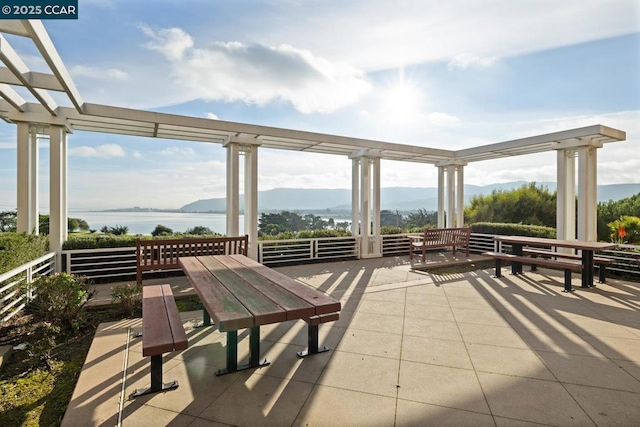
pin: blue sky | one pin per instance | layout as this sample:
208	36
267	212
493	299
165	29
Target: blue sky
449	75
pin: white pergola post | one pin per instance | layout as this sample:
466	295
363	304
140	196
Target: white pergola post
57	191
355	197
566	195
233	188
587	193
441	186
251	198
460	196
366	201
376	250
27	182
451	195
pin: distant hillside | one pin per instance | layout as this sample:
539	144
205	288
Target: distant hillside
401	198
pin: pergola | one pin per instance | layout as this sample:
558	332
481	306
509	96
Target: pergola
42	117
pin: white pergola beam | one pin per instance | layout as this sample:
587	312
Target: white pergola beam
35	79
19	69
43	42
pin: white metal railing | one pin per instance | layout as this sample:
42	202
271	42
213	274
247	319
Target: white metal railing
310	249
120	263
12	300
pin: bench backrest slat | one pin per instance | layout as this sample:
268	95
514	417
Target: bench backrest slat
163	254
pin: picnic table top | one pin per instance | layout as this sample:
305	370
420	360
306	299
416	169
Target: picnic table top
540	241
239	292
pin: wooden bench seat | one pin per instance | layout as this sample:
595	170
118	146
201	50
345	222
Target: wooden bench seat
434	238
567	266
599	261
312	333
162	332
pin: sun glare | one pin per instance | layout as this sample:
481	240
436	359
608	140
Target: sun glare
402	99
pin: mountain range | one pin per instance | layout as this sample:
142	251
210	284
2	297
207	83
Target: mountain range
392	198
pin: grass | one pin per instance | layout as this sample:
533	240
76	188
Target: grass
36	383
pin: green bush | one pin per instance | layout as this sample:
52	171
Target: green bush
390	229
307	234
127	297
60	299
514	229
94	241
18	249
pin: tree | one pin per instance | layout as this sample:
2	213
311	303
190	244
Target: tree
8	221
529	204
161	230
390	218
199	230
612	210
422	218
117	230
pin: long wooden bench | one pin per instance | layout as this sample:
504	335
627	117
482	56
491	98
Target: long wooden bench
601	262
163	254
162	332
433	238
239	293
567	266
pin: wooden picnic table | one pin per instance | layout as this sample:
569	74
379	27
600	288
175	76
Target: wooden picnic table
587	249
238	292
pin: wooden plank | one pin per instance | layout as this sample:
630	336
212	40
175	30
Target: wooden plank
537	261
322	302
542	252
156	331
263	309
177	329
294	306
223	307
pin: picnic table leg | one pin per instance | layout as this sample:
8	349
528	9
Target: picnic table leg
232	352
498	267
602	276
516	267
254	349
587	269
312	344
567	281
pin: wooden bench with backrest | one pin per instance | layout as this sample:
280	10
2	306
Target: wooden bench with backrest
163	254
440	238
162	332
567	266
601	262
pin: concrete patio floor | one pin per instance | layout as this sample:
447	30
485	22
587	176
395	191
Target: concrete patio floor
410	348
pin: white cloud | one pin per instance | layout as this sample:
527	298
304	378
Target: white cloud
258	74
137	155
467	60
178	151
212	116
98	73
437	118
379	34
8	146
105	151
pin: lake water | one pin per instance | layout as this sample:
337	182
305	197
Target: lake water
145	222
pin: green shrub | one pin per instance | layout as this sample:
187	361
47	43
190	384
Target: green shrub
514	229
307	234
127	297
60	299
18	249
390	229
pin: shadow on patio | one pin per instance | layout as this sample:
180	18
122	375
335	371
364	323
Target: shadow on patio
410	348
